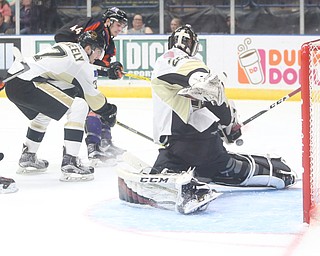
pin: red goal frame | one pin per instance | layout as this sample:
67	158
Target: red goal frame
310	64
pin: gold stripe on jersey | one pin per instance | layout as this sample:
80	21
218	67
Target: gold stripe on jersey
60	77
55	93
191	65
95	102
168	93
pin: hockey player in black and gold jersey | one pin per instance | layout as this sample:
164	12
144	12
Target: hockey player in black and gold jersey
60	81
191	112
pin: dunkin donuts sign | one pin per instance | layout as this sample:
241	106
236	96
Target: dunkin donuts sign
267	66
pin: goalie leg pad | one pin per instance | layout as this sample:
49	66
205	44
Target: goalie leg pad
268	171
156	190
257	171
171	191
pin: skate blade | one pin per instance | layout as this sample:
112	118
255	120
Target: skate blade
12	188
30	170
75	177
198	206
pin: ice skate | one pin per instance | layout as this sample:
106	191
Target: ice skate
73	170
108	146
289	178
29	163
98	155
195	197
7	185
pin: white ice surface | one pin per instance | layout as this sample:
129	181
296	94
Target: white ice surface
49	217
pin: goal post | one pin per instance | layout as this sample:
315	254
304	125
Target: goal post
310	112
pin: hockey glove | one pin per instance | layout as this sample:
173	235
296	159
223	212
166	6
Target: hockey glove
109	116
115	70
209	88
231	132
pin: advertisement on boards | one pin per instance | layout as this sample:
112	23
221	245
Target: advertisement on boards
254	62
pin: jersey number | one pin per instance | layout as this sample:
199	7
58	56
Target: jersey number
56	52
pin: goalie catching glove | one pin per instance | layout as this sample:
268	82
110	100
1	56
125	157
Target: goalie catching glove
209	88
231	132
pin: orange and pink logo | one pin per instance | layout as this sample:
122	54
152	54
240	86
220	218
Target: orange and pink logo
272	66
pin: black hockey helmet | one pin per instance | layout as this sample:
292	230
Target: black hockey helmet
93	39
115	14
185	39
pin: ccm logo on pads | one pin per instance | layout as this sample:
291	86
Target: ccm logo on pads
154	180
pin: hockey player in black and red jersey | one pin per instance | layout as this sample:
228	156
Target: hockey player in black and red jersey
112	22
7	185
190	108
60	81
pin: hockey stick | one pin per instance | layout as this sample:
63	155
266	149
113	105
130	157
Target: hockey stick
271	106
18	57
239	142
124	73
137	76
134	131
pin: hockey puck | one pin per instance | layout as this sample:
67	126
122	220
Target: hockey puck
239	142
1	156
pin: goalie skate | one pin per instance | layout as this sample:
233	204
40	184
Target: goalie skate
289	179
195	199
73	170
7	185
29	163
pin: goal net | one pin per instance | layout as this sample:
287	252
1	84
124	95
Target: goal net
310	94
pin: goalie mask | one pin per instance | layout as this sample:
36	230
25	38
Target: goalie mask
115	14
92	39
185	39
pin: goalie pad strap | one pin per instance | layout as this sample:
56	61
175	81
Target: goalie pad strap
262	171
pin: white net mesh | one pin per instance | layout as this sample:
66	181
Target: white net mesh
314	86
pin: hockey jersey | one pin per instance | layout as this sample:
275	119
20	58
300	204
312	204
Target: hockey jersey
175	115
71	31
64	65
